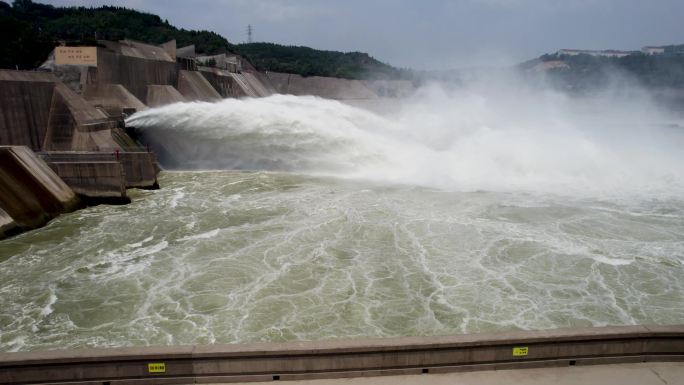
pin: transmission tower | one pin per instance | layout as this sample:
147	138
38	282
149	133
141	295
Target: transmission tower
250	32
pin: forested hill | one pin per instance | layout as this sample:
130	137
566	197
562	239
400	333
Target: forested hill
586	72
29	31
308	61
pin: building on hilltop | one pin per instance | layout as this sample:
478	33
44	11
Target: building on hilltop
649	50
603	53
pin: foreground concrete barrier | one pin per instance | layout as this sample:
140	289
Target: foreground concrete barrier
30	192
97	181
345	358
94	174
140	169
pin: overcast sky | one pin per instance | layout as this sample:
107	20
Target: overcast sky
430	34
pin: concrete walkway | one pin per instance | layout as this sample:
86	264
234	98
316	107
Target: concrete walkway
649	373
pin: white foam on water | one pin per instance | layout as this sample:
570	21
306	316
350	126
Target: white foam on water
611	261
139	244
52	299
206	235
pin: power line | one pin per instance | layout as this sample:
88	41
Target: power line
250	33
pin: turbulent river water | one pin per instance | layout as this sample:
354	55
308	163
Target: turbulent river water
358	226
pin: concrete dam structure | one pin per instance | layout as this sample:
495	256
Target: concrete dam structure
30	192
40	112
159	95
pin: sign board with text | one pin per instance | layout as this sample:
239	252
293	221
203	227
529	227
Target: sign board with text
84	56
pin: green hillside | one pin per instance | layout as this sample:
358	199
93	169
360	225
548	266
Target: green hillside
29	31
586	72
308	61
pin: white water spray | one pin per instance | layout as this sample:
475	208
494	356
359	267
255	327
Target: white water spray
468	140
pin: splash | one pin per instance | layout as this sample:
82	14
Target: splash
470	140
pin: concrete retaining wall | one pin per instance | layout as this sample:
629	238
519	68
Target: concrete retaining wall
265	82
257	85
94	180
330	88
158	95
75	125
345	358
138	170
24	110
224	83
193	86
234	85
38	111
133	73
113	98
30	192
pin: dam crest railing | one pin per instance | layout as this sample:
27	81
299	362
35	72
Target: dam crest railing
345	358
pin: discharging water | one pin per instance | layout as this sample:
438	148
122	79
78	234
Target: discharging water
359	227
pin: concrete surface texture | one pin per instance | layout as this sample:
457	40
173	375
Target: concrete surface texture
104	174
25	103
113	98
76	125
140	169
256	84
39	111
193	86
7	224
223	82
187	51
645	373
132	48
134	73
170	48
159	95
265	82
331	88
243	85
295	361
96	180
30	192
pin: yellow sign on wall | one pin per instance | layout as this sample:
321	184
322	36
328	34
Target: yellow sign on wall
85	56
520	351
156	367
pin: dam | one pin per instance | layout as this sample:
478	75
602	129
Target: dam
306	228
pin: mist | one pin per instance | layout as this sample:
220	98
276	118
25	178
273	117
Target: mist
494	131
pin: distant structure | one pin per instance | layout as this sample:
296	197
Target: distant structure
604	53
222	61
650	50
250	32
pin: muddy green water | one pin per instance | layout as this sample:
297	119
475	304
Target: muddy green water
221	257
